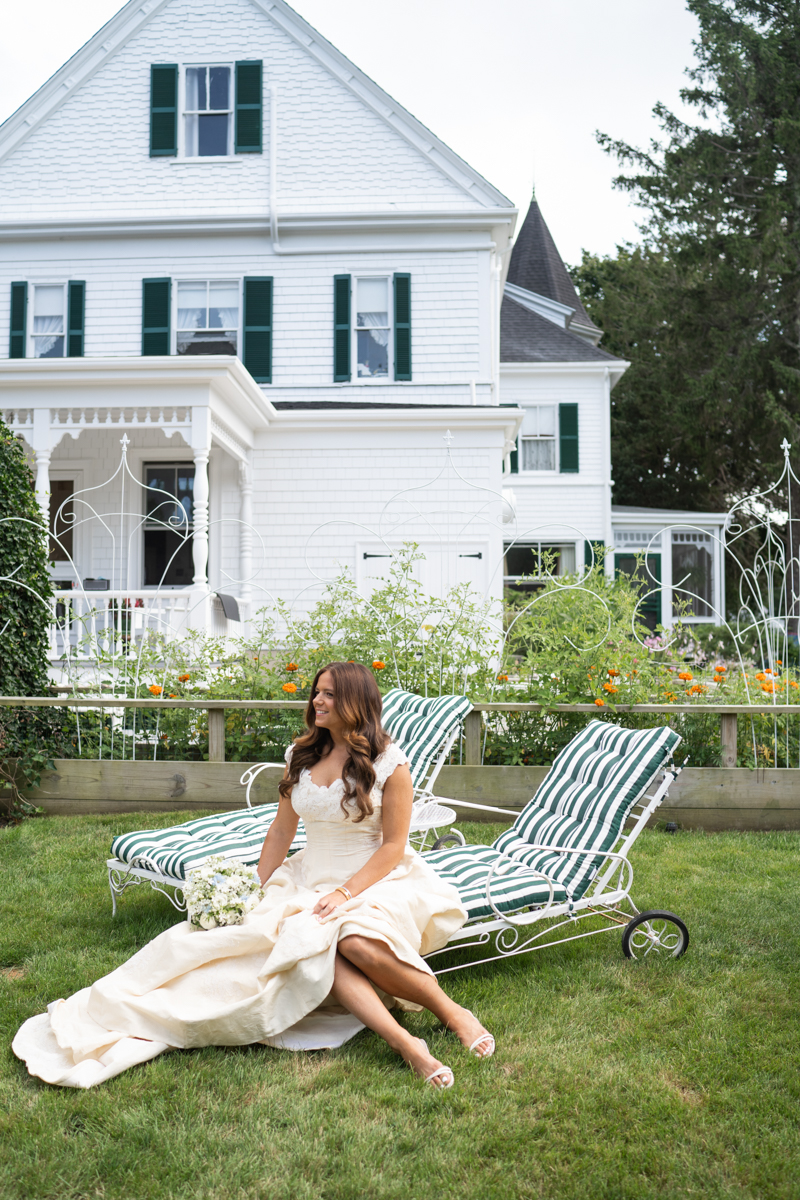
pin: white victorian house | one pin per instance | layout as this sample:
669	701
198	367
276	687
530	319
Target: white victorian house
225	245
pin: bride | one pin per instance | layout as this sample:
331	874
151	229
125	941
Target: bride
335	942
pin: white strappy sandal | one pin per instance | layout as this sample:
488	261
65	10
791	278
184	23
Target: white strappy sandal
445	1074
485	1039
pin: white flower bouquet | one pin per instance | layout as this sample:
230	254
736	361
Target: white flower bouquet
220	892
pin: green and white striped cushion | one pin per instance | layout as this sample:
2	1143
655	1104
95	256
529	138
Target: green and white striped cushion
467	867
177	850
585	799
421	725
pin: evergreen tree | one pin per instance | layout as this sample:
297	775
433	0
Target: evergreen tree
708	308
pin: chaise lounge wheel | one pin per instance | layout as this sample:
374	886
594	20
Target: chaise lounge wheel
655	933
454	838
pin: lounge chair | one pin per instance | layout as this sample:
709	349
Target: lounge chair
426	729
565	858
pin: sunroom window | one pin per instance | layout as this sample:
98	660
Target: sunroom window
372	328
49	302
208	317
538	438
692	574
527	566
207	112
168	526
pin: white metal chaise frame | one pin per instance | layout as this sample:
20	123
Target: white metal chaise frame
428	815
503	932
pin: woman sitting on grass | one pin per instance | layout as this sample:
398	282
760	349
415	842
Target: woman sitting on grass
342	926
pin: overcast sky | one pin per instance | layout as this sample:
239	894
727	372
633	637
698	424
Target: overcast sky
516	87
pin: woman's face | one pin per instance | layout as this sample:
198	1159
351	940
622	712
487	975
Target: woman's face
325	714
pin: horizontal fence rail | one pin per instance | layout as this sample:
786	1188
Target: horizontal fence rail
729	715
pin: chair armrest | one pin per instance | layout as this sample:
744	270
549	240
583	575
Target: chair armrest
422	794
517	867
584	850
251	774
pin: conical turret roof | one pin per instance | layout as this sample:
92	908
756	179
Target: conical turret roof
537	267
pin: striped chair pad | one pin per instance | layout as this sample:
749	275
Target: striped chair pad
177	850
421	725
467	867
585	800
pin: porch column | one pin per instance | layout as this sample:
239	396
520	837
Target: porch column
245	530
200	533
42	449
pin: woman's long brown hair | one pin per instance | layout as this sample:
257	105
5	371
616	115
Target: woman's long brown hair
359	704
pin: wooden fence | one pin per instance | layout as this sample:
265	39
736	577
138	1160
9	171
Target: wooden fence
704	797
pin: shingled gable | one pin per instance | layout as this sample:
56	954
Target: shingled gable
135	15
537	267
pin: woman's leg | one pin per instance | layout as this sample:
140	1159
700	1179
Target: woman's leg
377	962
353	991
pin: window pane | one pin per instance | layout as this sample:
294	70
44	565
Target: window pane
212	135
190	139
192	306
48	302
692	578
223	305
530	422
547	420
185	490
372	302
220	87
48	347
522	560
538	454
373	352
195	88
206	342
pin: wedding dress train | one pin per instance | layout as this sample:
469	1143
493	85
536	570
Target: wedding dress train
266	980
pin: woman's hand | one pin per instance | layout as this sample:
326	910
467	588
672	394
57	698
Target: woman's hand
324	907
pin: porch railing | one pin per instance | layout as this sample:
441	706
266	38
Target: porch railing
88	623
729	715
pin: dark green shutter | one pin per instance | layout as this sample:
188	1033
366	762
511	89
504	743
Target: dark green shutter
257	348
163	111
588	560
568	439
155	316
341	329
248	108
402	326
19	318
76	301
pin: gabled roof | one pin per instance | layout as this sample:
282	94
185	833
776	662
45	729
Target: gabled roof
537	267
136	14
526	336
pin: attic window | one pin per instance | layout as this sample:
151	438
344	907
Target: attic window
207	112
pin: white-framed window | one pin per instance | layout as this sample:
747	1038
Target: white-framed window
208	110
48	320
538	449
168	527
528	565
207	316
693	579
372	328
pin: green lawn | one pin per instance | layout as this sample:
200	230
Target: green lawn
611	1079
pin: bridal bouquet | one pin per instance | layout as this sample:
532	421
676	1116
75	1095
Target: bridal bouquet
220	892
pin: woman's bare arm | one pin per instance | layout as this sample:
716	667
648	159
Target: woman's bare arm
280	836
398	797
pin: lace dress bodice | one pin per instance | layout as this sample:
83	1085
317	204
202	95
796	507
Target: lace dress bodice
338	846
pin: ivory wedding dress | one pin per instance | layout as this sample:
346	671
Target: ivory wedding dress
266	980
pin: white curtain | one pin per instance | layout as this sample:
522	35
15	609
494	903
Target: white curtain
47	325
369	320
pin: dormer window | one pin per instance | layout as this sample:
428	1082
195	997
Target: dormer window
207	112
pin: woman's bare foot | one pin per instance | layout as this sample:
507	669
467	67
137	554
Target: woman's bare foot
472	1034
425	1065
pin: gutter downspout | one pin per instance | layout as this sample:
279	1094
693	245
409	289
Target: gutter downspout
609	531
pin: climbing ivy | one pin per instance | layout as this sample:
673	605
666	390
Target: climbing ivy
29	736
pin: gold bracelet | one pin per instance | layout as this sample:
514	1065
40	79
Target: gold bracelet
347	894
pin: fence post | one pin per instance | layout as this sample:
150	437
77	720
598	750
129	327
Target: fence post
728	738
473	730
216	735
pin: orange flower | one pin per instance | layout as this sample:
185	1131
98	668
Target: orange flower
768	671
687	675
291	666
173	695
501	678
613	672
290	687
793	684
695	690
779	661
183	678
600	703
768	686
719	679
378	665
609	687
155	690
720	669
761	676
